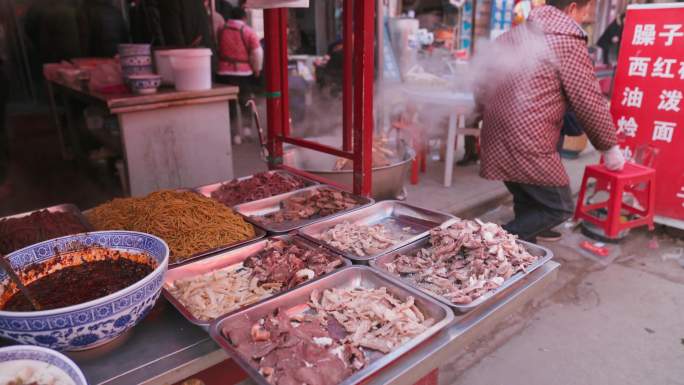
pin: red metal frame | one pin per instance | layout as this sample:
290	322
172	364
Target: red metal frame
357	96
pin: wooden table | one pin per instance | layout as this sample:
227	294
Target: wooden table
169	140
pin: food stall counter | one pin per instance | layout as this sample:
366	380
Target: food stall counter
165	348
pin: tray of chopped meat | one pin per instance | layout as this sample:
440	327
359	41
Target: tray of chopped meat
367	233
255	187
228	282
21	230
464	263
339	329
287	212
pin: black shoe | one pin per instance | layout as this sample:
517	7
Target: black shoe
549	236
467	161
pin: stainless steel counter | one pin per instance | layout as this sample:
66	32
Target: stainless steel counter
165	348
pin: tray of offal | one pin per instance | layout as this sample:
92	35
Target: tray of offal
228	282
21	230
287	212
464	263
340	329
193	225
369	232
254	187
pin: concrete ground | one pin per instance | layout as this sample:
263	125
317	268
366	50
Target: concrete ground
600	323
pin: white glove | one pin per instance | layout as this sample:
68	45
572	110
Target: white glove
614	159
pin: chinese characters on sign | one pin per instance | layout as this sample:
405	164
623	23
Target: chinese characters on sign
648	97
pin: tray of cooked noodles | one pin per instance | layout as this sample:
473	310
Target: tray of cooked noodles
194	226
230	281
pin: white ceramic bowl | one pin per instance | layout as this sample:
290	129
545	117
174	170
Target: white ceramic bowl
93	323
42	357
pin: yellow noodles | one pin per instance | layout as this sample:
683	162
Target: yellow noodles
188	222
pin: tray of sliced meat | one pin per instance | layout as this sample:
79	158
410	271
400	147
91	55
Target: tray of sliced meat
339	329
464	263
255	187
21	230
228	282
287	212
367	233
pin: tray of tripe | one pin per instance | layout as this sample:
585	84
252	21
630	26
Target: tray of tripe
254	187
340	329
287	212
464	263
227	282
366	233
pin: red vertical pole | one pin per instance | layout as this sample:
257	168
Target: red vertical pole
273	70
285	86
364	62
347	96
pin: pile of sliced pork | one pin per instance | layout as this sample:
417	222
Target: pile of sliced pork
329	339
464	262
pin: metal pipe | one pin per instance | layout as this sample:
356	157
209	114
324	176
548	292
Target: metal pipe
273	72
284	82
315	177
348	62
364	60
317	147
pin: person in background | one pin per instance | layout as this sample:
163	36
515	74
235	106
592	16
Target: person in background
102	28
523	113
217	20
472	155
240	54
609	42
185	23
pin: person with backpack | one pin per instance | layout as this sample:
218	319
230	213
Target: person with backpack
240	53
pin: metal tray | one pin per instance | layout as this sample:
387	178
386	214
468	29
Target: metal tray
272	204
209	189
543	253
394	215
62	208
351	277
224	260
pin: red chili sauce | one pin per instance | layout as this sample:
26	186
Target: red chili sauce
78	284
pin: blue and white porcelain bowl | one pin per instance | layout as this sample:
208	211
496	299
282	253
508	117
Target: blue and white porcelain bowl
43	359
93	323
134	50
144	84
142	60
128	71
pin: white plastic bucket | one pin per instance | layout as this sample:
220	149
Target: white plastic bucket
162	59
191	69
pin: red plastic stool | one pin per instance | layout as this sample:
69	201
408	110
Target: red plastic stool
627	180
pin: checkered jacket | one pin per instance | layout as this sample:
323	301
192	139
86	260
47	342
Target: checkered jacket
523	110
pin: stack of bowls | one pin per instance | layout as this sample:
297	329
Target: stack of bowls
136	59
137	68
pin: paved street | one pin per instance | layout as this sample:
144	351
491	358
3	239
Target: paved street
600	323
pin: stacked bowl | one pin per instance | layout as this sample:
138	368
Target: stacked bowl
137	68
136	59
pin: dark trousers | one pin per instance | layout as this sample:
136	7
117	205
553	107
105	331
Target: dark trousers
4	137
538	208
248	86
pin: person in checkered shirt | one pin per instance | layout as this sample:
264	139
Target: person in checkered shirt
522	114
